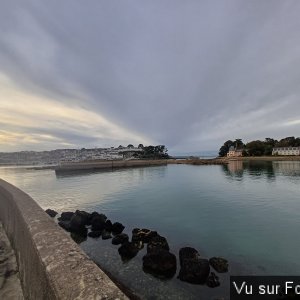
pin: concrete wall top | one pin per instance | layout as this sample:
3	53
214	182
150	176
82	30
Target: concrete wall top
51	264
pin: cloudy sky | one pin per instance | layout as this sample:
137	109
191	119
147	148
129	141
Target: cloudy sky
188	74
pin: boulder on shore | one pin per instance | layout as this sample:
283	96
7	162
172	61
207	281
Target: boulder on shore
128	250
52	213
219	264
160	262
117	228
78	238
193	268
212	280
66	216
188	253
77	223
98	221
120	239
143	235
65	225
156	243
86	217
108	225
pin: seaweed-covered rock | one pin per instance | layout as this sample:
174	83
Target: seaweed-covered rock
66	216
212	280
52	213
95	234
156	243
160	262
117	228
193	268
128	250
120	239
219	264
144	235
139	244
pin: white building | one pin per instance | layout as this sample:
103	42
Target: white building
233	152
286	151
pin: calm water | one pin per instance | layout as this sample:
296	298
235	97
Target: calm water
248	213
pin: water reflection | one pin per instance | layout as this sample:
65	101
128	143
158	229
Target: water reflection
290	168
234	169
141	171
75	173
255	169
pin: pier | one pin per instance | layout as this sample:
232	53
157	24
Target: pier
50	264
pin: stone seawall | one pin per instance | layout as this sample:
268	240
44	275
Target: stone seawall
111	164
51	264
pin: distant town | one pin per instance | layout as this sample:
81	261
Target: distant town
54	157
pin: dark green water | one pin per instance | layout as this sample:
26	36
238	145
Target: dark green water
248	213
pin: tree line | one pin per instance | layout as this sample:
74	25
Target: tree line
257	147
150	152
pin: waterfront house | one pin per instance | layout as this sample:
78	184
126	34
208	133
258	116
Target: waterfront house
286	151
234	152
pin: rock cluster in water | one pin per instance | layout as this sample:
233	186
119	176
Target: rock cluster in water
158	260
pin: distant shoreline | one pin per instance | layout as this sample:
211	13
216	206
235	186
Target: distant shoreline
114	164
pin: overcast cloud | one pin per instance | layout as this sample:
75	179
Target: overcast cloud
187	74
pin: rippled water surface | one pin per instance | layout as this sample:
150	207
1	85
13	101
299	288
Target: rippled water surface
248	213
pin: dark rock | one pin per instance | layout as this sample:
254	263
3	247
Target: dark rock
187	253
135	230
106	235
79	238
65	225
144	235
212	280
98	221
108	225
139	244
160	263
77	223
94	214
193	268
156	243
86	217
219	264
52	213
66	216
120	239
94	234
117	228
128	250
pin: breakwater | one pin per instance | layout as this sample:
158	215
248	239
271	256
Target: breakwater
51	265
117	164
108	165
